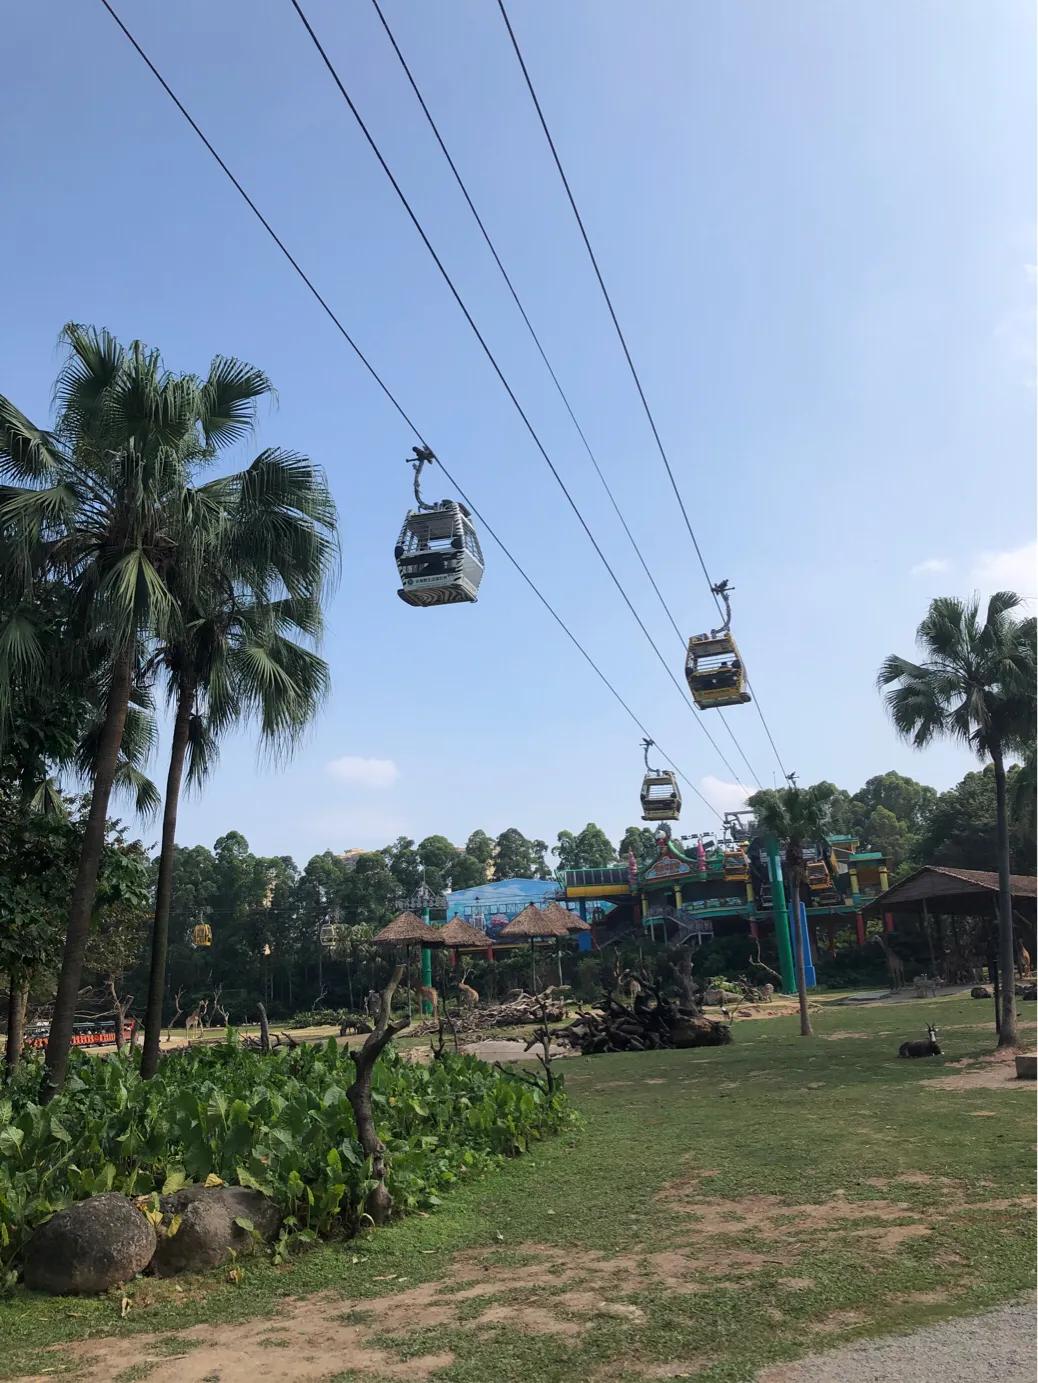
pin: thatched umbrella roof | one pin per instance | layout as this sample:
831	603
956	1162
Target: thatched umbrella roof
570	920
533	924
460	934
408	930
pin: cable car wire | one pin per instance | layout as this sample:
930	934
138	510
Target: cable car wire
500	373
623	340
399	408
540	349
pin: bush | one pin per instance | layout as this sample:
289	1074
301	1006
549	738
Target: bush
280	1123
317	1018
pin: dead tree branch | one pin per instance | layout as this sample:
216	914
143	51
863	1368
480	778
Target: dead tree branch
379	1204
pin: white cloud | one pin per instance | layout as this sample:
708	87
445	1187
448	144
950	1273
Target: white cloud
368	773
724	797
932	566
1012	570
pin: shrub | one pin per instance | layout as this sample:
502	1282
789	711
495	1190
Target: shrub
280	1123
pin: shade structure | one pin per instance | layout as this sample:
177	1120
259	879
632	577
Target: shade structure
461	936
534	924
570	920
408	930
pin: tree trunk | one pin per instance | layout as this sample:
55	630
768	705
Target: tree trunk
1007	1036
84	889
164	883
798	953
379	1202
17	1003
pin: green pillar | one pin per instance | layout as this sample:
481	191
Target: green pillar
426	966
780	913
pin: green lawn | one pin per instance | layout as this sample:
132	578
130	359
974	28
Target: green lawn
738	1205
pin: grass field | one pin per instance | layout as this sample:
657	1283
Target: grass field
717	1210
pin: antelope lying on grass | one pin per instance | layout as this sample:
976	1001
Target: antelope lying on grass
928	1048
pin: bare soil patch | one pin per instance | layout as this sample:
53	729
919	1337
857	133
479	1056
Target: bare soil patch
310	1341
994	1072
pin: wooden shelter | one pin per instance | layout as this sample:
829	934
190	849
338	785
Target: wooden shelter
535	924
936	888
461	936
408	931
570	920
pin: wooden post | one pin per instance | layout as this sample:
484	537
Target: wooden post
859	927
888	921
929	940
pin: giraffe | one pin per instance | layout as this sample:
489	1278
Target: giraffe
196	1019
895	966
469	996
428	994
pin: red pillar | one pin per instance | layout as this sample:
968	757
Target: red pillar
754	930
859	927
888	921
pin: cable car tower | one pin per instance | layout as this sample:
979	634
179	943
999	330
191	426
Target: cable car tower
437	554
713	668
661	796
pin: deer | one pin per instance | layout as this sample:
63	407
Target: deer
197	1018
469	996
930	1047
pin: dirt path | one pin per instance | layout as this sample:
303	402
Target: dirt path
1000	1345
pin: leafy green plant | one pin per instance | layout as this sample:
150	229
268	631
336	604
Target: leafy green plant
279	1123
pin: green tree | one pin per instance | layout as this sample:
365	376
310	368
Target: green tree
639	841
480	847
105	502
467	872
514	856
910	802
975	684
405	865
438	857
588	849
884	831
796	816
232	656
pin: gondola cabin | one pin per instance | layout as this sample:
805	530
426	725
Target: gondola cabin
715	672
438	556
202	934
818	876
661	796
736	866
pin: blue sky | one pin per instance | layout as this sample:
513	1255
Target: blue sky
817	223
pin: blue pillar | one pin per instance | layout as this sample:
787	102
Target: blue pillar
810	978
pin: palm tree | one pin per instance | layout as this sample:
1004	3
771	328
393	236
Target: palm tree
976	684
796	815
233	657
105	503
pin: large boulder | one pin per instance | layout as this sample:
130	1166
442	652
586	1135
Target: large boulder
95	1244
207	1232
980	991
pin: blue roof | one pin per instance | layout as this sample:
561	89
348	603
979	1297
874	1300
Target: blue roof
507	896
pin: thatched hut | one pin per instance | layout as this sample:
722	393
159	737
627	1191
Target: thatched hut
408	931
535	924
570	920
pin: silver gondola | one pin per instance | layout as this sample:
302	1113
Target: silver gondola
661	796
437	554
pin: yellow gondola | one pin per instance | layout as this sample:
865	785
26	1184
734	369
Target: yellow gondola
202	934
713	668
736	866
661	796
818	877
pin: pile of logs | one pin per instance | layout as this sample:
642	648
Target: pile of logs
649	1023
518	1011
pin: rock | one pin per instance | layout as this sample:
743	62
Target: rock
979	992
1027	1066
1030	993
207	1231
95	1244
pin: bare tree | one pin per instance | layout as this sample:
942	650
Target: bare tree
218	1007
379	1203
120	1007
178	1009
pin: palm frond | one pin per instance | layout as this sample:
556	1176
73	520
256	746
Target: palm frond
131	782
228	399
27	453
203	750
